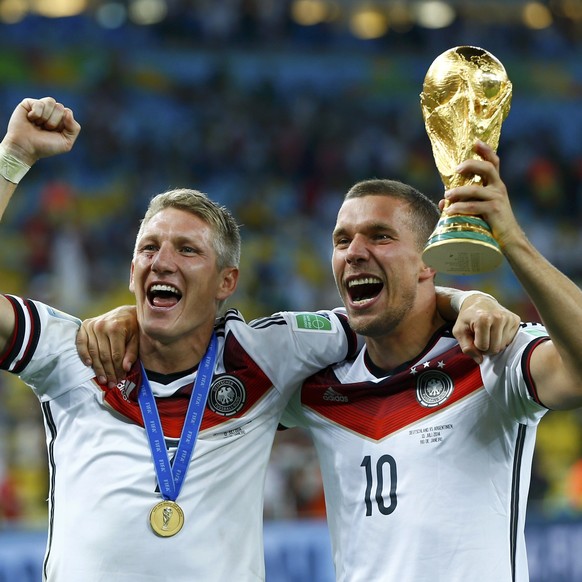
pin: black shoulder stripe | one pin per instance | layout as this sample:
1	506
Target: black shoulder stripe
229	315
265	322
219	326
33	336
15	342
28	332
531	387
351	336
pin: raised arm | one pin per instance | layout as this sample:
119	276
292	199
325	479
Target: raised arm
554	364
38	128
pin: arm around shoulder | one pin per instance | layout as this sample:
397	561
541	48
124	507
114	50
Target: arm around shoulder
482	325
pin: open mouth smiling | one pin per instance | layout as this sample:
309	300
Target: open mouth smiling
364	289
163	295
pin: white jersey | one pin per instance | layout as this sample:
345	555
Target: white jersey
426	470
102	477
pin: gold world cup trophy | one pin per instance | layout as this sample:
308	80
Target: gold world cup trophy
466	96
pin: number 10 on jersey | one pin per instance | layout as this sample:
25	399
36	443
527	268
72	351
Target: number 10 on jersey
382	474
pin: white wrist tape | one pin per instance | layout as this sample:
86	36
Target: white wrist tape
11	168
459	298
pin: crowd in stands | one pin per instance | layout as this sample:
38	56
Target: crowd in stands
276	121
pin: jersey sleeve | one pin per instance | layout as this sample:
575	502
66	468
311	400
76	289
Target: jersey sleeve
507	377
42	351
291	346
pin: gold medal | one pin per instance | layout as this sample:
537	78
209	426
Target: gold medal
166	518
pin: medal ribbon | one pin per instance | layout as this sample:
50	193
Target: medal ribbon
170	479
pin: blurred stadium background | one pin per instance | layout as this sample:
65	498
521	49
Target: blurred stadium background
274	108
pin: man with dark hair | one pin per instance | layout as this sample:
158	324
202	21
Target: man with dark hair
425	453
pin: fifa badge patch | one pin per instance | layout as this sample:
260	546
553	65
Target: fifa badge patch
433	388
227	395
312	322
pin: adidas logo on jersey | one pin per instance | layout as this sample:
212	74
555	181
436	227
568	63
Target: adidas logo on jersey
126	388
331	395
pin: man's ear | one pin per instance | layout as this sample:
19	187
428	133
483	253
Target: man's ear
426	272
228	283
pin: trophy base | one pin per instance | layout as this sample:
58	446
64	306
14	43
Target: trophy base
462	246
462	257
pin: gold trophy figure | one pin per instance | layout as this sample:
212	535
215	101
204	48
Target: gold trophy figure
466	96
166	516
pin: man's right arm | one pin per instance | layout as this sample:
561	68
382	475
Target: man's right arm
38	128
553	366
